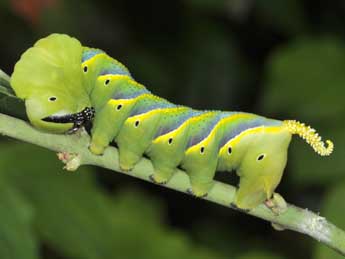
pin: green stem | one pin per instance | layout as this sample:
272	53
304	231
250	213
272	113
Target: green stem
294	218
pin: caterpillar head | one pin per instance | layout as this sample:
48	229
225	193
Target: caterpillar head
49	79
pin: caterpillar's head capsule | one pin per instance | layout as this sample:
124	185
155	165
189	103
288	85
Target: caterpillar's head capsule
56	111
49	79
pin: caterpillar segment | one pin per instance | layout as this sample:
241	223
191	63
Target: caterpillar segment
259	158
201	155
171	141
95	62
58	79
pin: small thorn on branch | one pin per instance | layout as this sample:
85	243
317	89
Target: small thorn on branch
72	161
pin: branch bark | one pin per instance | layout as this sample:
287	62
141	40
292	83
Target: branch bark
294	218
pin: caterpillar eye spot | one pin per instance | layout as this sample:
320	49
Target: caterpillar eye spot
202	150
52	99
85	69
107	82
136	124
229	150
119	107
170	141
260	157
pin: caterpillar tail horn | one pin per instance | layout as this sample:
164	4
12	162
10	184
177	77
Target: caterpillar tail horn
310	136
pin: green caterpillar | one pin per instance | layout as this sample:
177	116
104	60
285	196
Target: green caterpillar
65	85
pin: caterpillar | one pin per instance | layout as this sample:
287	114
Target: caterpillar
66	85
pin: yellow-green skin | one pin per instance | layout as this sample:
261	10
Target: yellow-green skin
201	142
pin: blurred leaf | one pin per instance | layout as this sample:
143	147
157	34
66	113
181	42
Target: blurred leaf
152	70
5	91
286	16
217	74
208	5
9	103
31	9
5	80
3	5
305	80
17	238
240	9
259	255
308	168
76	218
333	209
236	9
228	236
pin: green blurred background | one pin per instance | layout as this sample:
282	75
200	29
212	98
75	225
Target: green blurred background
283	59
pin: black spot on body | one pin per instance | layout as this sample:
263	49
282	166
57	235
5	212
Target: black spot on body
261	157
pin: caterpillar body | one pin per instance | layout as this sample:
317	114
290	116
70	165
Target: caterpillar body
65	85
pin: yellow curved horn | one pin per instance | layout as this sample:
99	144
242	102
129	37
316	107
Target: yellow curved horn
310	136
